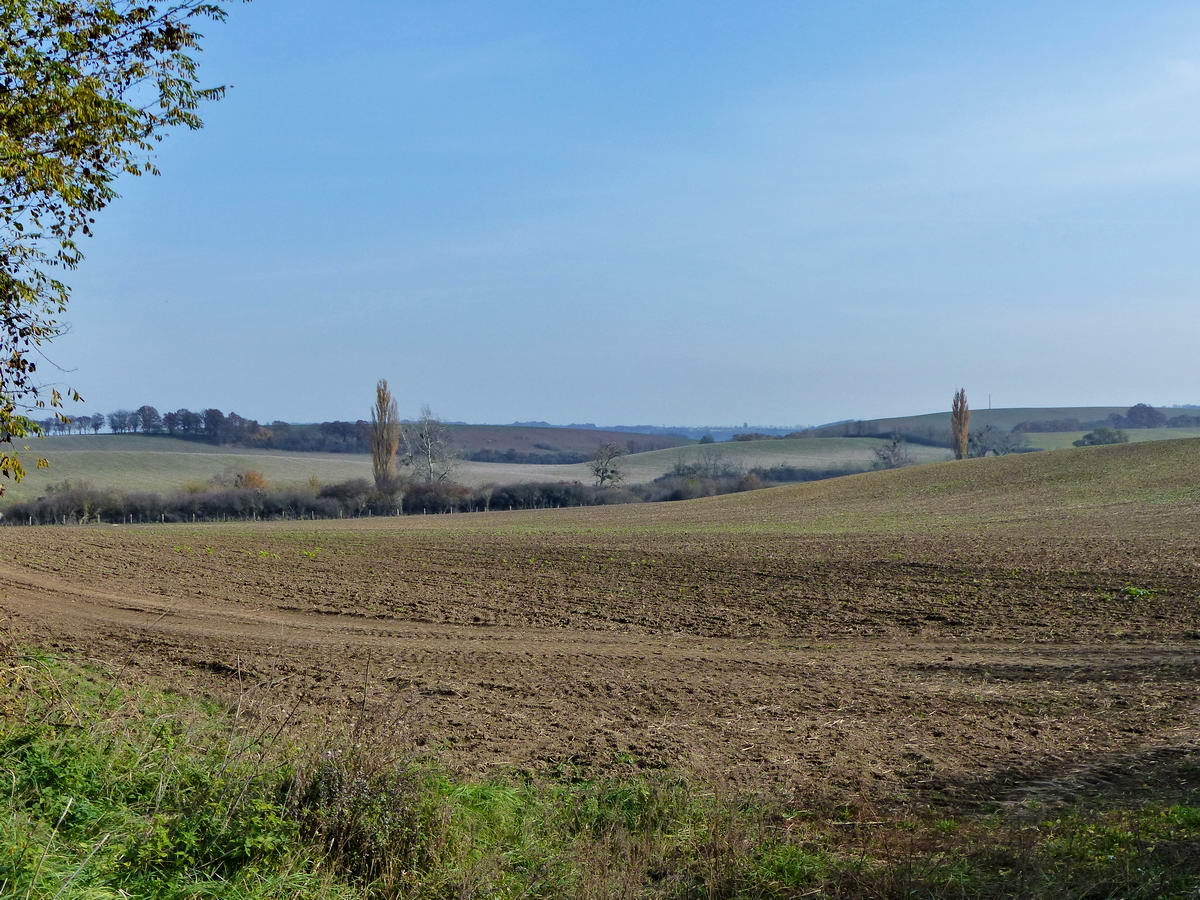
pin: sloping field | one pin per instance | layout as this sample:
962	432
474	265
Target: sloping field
809	453
1003	419
1151	487
141	463
987	629
1060	440
163	464
1147	487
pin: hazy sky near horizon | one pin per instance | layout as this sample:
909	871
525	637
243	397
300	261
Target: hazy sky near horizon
667	212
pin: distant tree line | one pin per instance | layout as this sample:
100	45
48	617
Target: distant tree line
209	425
1140	415
73	425
215	427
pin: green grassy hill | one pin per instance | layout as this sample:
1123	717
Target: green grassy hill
1149	487
809	453
1152	482
150	463
1059	440
1151	479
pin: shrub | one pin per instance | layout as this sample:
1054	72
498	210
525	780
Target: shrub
550	456
1100	436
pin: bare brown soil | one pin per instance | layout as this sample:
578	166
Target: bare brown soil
943	663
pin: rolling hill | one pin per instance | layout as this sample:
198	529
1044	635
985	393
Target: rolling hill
1151	484
1152	473
1059	440
131	462
1151	487
810	453
937	424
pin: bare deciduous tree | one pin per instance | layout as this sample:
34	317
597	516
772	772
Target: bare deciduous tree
428	447
385	437
149	418
708	462
892	455
994	442
960	424
605	465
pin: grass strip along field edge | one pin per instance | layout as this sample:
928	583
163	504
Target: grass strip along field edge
127	790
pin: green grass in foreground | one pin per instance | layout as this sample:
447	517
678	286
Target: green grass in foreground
123	792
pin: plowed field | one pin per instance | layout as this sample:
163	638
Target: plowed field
943	659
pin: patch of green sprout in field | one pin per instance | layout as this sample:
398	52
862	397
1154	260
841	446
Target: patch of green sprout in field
311	554
186	550
1136	593
1130	592
261	554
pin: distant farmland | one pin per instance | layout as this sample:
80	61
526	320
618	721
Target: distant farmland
1057	440
809	453
163	464
1004	419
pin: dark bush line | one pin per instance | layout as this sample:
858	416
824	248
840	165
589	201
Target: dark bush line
1052	425
781	474
550	457
79	503
1140	416
83	504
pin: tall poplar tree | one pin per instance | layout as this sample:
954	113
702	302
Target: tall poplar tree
960	424
385	437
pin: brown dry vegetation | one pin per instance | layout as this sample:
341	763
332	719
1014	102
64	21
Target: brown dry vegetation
977	629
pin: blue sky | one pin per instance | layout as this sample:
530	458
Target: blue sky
672	212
